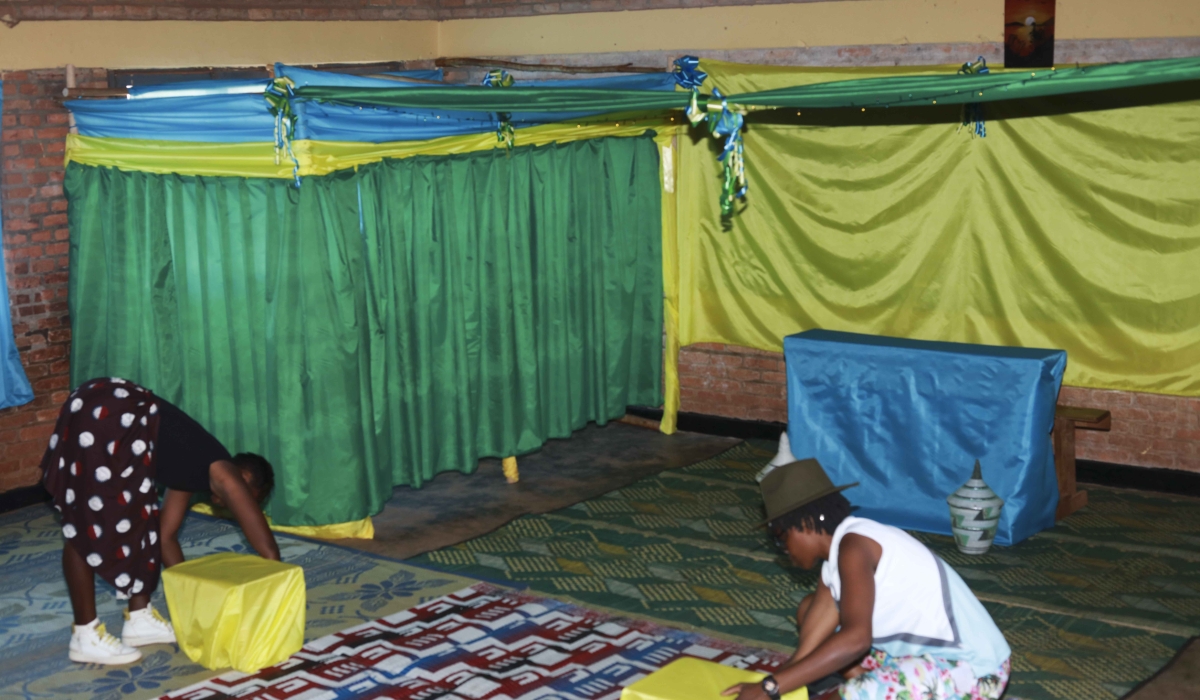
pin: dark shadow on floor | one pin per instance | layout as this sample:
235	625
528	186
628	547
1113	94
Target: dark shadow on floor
456	507
1178	680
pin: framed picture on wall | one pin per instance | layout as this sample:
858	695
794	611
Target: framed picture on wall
1028	33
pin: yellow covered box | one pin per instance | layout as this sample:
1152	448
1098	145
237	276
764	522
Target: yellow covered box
236	610
695	679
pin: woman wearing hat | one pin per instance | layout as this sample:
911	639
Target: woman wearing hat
890	614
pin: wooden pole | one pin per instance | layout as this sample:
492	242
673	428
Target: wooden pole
95	92
71	86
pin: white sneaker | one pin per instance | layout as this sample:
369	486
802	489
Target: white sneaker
144	627
92	644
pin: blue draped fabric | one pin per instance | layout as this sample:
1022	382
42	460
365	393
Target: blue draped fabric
908	418
14	385
234	111
306	77
219	118
329	122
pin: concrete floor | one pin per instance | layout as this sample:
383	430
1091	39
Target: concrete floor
456	507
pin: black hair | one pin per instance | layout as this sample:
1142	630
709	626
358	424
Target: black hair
821	515
262	474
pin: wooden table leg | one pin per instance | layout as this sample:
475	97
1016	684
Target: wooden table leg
1069	499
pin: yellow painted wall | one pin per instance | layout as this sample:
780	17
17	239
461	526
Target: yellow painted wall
807	24
729	27
105	44
841	22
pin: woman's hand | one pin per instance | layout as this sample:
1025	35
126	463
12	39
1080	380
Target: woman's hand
234	493
746	691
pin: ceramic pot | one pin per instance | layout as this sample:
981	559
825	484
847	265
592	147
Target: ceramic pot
974	514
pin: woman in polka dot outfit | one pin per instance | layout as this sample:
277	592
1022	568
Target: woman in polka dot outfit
114	444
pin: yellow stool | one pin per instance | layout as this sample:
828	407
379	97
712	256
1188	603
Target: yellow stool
236	610
695	679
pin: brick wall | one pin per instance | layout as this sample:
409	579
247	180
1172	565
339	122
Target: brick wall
35	255
1148	430
316	10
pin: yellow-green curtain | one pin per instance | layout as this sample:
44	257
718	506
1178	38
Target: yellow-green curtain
1062	228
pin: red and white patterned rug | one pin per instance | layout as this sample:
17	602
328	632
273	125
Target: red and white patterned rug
481	643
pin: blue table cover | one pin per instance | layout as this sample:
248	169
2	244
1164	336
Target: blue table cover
908	418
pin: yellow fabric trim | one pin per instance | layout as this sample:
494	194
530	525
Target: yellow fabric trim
324	157
357	529
178	157
1078	231
669	165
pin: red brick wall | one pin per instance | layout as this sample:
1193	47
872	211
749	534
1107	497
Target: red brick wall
1148	430
35	256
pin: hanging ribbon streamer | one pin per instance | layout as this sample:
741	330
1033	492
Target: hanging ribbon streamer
279	101
972	113
505	133
688	76
728	124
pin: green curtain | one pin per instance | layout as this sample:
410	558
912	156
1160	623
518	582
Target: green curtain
378	327
1074	224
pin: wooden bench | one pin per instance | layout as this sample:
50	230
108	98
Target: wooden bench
1066	420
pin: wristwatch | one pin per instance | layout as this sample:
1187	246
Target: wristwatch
770	686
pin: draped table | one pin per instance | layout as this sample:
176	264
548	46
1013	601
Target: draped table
907	419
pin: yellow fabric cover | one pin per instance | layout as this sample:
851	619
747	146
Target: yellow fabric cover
1067	229
670	263
236	610
355	529
324	157
695	679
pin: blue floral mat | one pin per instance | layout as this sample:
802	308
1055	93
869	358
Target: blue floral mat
345	587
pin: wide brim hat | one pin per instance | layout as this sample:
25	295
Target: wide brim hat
793	485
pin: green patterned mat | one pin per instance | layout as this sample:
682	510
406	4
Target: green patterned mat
1091	607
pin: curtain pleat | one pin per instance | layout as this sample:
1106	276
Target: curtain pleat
377	327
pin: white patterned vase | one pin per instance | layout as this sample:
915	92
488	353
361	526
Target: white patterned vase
974	514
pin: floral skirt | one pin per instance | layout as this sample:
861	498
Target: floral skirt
99	470
922	678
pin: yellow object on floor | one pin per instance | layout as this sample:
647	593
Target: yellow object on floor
236	610
695	679
509	465
355	529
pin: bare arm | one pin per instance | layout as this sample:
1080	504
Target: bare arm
857	558
226	481
170	518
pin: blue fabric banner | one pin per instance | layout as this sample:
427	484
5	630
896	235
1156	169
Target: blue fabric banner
907	419
234	111
217	118
14	385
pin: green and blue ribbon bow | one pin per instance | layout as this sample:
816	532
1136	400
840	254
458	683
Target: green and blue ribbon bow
505	133
972	113
688	76
728	124
279	96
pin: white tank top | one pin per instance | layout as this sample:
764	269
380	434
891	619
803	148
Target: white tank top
922	605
